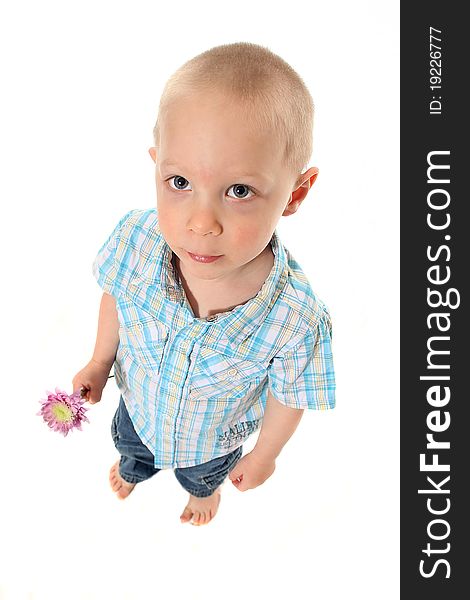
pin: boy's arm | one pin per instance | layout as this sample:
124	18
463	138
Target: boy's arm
107	337
279	423
94	375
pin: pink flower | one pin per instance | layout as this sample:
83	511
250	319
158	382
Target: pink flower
63	412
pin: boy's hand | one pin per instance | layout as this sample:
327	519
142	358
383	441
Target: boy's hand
93	377
251	471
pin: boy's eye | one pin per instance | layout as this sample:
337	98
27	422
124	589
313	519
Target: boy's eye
240	191
179	183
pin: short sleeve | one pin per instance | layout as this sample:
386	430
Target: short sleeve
107	269
303	377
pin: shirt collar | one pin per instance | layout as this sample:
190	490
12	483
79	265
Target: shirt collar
235	324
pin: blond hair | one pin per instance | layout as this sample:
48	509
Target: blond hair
273	94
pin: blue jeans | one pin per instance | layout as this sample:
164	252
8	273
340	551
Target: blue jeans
137	462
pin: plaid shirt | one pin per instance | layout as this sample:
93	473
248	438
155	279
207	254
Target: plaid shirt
196	388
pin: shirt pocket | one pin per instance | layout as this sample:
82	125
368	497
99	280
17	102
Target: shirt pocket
145	340
222	380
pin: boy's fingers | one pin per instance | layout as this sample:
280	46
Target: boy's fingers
87	394
234	474
242	486
237	479
96	398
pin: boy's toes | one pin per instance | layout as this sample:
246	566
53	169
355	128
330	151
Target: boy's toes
197	518
203	519
113	480
186	515
200	511
118	485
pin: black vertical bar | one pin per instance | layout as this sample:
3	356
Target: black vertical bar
435	268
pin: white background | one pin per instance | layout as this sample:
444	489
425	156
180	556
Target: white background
80	88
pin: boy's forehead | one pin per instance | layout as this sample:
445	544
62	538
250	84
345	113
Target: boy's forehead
211	162
218	110
204	130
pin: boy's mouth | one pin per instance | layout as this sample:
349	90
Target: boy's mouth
203	258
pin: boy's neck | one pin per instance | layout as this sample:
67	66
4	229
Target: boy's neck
208	297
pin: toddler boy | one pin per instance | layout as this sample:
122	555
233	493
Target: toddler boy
211	325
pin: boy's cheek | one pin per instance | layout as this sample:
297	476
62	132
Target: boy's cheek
168	216
259	229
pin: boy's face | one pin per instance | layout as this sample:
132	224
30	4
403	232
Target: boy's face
221	187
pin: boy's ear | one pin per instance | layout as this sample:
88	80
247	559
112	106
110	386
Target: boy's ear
153	154
303	184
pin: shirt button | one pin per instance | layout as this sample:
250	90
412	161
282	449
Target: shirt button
232	372
172	385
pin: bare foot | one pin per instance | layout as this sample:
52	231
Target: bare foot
202	510
118	485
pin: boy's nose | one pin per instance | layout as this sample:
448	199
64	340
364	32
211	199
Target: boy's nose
204	221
